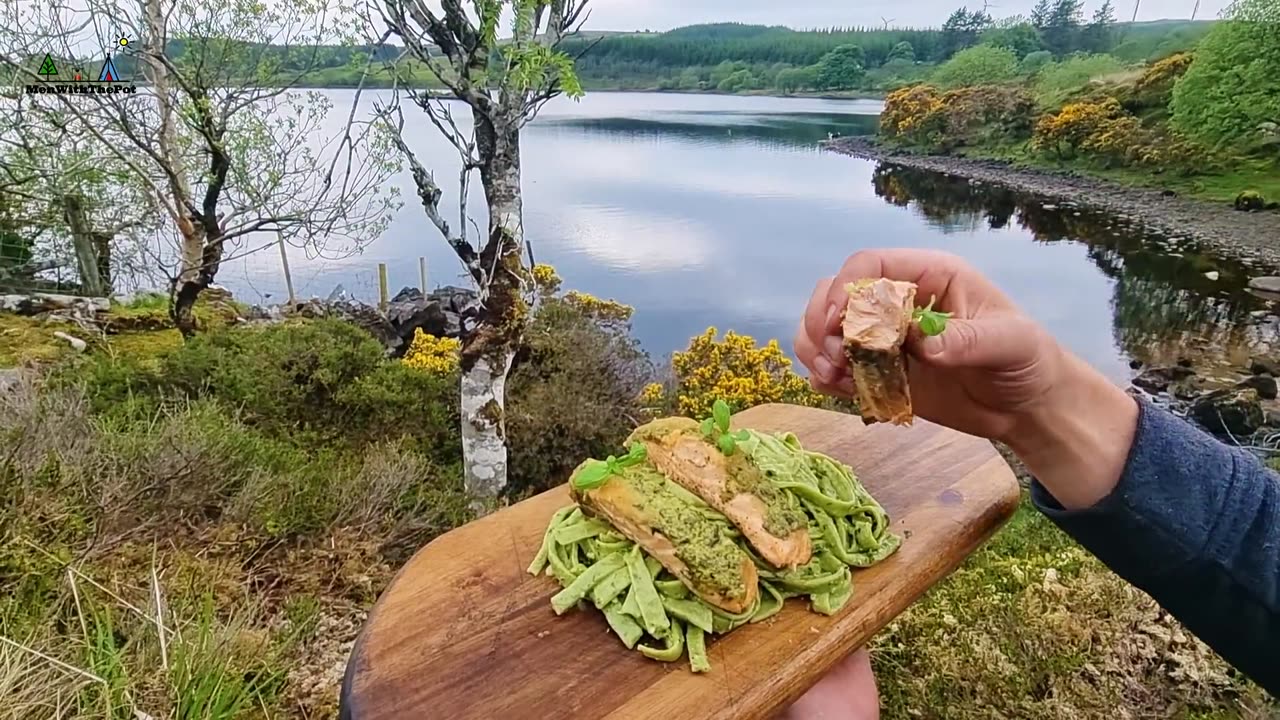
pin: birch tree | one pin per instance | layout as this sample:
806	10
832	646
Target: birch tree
501	84
219	135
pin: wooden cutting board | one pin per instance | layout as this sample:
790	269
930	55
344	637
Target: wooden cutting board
464	632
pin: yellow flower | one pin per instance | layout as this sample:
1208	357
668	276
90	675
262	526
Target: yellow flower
736	370
546	278
433	354
604	310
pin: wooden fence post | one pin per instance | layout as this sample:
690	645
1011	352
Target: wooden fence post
383	297
288	276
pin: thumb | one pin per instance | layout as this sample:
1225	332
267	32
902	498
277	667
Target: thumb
991	343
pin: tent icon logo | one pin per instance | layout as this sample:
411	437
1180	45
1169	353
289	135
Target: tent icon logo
109	72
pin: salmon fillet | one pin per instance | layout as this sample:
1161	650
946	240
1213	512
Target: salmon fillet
875	326
768	517
675	533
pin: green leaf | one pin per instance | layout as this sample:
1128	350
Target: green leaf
593	475
707	427
727	444
720	411
931	322
742	436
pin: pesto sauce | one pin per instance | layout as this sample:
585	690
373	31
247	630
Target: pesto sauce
783	515
713	559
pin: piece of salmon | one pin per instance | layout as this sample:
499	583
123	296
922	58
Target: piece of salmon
730	484
875	326
675	533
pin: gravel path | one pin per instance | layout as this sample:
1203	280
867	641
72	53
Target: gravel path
1247	236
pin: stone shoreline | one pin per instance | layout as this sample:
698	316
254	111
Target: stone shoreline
1250	236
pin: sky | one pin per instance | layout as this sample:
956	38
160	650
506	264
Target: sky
666	14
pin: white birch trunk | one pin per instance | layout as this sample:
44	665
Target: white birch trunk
484	444
484	378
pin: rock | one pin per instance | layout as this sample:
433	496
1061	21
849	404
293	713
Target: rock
1265	385
37	303
1158	379
76	343
1272	416
1135	364
407	294
10	378
1231	412
1184	363
1188	389
1250	201
1266	283
339	294
1212	275
1049	206
1264	366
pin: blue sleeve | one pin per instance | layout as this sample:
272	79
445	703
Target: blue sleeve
1195	524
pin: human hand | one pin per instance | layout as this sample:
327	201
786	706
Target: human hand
848	692
980	376
993	372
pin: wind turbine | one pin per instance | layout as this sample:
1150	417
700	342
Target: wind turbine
887	21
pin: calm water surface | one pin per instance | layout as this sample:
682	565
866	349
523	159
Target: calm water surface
721	211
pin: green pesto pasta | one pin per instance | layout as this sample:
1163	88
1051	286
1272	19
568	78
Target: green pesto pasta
655	613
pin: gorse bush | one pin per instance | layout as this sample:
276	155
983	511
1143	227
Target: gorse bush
1106	134
1154	90
432	354
735	369
923	116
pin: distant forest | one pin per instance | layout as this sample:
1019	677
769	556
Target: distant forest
732	57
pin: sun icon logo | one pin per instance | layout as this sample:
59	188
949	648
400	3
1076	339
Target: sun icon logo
123	42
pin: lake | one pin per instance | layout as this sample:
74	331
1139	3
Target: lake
706	210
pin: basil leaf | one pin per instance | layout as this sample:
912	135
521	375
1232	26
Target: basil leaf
592	476
727	444
720	411
742	436
707	427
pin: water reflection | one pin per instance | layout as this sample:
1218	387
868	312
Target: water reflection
1171	298
768	130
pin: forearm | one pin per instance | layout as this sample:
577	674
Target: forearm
1076	440
1194	523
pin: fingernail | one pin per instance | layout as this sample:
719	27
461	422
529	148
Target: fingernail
823	368
833	316
931	345
833	348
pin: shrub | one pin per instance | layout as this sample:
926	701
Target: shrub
282	376
981	65
397	401
1155	88
574	390
1102	131
914	114
1035	61
967	116
1230	89
1063	133
736	370
1057	81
